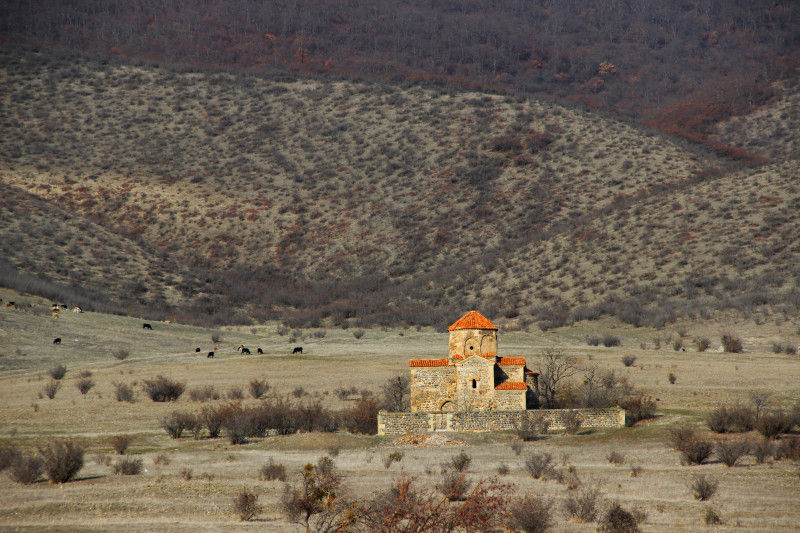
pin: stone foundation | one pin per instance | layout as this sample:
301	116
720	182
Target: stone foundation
424	422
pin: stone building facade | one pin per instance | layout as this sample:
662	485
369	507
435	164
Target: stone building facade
472	377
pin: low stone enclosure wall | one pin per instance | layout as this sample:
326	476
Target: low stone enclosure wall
424	422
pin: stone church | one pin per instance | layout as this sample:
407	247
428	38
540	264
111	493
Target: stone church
472	377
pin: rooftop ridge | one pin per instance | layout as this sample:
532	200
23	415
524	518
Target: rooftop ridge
472	320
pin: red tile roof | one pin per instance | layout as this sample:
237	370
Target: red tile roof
428	362
472	320
528	371
516	361
511	385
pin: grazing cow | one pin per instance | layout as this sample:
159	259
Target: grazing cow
57	340
260	351
210	354
246	351
297	349
240	348
146	326
11	304
63	306
197	349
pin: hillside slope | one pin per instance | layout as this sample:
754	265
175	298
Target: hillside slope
338	199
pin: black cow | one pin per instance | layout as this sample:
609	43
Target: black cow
297	349
210	354
260	351
197	349
246	351
57	340
146	326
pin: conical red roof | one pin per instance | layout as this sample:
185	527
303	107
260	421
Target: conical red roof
472	320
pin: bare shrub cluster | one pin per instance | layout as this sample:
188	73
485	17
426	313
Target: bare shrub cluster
162	389
694	449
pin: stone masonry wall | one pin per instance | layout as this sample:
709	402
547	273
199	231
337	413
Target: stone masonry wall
431	387
403	423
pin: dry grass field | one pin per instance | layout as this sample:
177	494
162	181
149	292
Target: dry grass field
164	496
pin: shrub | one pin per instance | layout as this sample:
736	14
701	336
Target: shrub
703	344
396	394
162	389
774	423
245	505
51	388
358	333
186	474
636	470
272	471
582	505
672	378
593	340
177	421
162	459
57	372
120	354
530	429
615	458
730	451
362	417
571	421
531	514
694	450
677	345
711	517
123	392
638	408
235	393
539	465
460	462
203	394
788	448
84	385
610	341
216	337
454	486
628	360
731	419
120	443
503	469
258	388
702	487
213	418
618	520
62	459
26	469
395	456
731	343
8	456
128	466
762	450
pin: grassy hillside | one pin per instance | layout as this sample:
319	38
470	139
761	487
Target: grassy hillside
321	199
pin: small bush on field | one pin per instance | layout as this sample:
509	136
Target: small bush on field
636	470
272	471
162	459
694	450
128	466
120	354
358	333
216	338
203	394
609	341
186	474
245	505
730	451
711	517
123	392
531	514
8	456
454	486
51	388
615	458
702	487
213	418
235	393
84	385
628	360
162	389
530	429
176	422
774	423
57	372
62	459
540	465
503	469
638	408
258	388
731	419
394	457
26	469
677	345
618	520
672	378
731	343
362	417
516	447
762	450
593	341
571	421
120	443
788	448
460	462
703	344
582	505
